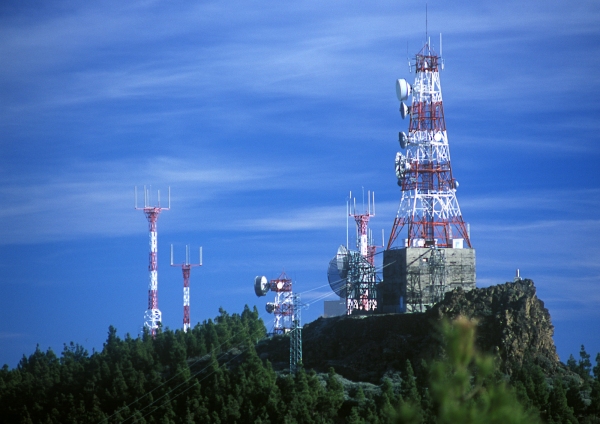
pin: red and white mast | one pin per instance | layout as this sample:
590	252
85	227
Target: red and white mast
428	205
186	267
153	316
364	238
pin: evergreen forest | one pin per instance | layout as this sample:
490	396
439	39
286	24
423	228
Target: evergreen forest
212	374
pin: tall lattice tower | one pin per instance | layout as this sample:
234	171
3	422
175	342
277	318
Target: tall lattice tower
428	206
153	316
186	268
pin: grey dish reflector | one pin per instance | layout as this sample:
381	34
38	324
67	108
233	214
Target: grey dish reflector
337	273
403	139
403	89
261	285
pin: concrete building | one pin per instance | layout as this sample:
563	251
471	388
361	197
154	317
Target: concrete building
334	308
415	278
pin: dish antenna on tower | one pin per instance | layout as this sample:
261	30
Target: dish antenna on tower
261	285
403	89
403	139
404	110
337	273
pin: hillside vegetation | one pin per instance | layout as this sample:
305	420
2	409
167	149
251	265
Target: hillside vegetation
482	356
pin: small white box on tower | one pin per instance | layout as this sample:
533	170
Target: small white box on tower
457	243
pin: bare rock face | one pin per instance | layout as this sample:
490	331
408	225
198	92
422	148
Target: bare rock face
512	323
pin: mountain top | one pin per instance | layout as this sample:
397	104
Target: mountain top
512	323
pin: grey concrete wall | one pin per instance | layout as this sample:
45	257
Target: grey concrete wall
334	308
408	268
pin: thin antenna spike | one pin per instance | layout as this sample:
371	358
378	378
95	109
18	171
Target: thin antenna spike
426	36
171	254
200	255
363	198
347	215
187	254
408	58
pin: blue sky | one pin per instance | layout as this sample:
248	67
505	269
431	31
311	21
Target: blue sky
261	117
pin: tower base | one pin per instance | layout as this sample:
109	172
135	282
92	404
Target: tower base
415	278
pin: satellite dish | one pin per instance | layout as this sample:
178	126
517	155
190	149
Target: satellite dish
438	136
337	273
404	110
342	259
270	307
403	89
261	285
455	184
403	139
402	165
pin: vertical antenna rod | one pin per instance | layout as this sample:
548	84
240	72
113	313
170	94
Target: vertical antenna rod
426	36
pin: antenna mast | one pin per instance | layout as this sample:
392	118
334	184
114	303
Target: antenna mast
428	205
361	293
153	316
186	268
436	256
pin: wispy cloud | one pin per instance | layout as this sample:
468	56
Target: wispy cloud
94	199
309	218
569	202
9	336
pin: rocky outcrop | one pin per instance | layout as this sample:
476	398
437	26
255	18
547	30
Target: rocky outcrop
511	322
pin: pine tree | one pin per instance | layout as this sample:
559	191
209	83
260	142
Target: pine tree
463	386
584	366
558	409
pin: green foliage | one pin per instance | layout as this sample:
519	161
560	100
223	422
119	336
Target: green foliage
144	379
213	374
464	386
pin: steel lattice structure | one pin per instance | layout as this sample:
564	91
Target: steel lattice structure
153	316
283	306
426	282
186	268
296	335
361	286
286	309
428	205
361	293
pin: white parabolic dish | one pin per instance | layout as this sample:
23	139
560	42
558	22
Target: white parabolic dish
403	89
